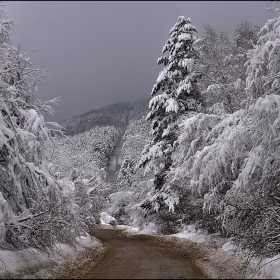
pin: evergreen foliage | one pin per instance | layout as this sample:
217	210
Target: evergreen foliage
180	95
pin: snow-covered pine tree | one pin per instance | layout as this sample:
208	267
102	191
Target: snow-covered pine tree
180	94
126	172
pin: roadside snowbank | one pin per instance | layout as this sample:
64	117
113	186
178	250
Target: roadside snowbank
32	263
267	268
215	255
149	229
106	219
271	267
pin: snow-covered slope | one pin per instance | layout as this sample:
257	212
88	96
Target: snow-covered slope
118	114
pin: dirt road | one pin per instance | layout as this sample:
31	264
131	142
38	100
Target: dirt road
140	257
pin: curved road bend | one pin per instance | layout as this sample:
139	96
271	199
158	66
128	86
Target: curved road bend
140	257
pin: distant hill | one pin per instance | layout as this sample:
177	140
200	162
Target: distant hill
118	114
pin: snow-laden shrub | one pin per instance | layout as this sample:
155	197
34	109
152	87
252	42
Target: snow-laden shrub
118	203
106	219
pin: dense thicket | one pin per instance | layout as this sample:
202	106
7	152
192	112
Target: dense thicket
132	183
78	164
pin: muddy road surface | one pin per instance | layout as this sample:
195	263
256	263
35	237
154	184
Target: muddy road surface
140	256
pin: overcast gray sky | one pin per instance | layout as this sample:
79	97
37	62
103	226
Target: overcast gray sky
100	53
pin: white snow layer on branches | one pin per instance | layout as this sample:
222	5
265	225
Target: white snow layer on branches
220	155
263	63
172	105
35	209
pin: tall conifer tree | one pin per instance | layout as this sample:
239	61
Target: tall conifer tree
179	95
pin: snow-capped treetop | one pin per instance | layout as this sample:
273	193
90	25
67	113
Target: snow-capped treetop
179	68
263	61
180	47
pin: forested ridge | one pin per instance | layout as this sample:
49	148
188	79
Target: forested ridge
204	152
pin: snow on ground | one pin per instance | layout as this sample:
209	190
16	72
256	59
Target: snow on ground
217	254
267	268
149	229
113	163
32	263
106	219
271	267
192	234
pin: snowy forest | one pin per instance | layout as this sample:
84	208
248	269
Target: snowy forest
203	151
